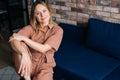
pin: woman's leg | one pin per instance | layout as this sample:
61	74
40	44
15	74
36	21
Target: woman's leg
17	58
45	74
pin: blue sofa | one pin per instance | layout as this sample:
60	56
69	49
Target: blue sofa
89	53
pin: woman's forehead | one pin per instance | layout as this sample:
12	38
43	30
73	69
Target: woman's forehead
40	7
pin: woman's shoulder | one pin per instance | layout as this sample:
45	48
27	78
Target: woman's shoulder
57	26
28	27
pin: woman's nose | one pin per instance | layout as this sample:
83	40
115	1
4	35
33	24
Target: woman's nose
42	14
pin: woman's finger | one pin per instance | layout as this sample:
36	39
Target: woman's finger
23	70
19	71
26	70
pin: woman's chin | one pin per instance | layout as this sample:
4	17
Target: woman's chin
45	21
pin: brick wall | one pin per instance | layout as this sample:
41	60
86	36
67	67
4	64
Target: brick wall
79	11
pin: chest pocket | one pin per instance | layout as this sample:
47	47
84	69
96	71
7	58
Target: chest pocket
38	37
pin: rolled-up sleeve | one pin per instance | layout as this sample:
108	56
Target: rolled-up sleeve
55	39
25	31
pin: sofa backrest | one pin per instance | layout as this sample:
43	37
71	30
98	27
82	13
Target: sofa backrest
104	37
72	33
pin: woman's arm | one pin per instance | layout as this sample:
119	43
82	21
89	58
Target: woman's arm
37	46
34	45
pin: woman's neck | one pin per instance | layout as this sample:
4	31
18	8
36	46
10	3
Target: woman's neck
43	25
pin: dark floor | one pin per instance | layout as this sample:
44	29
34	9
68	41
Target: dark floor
7	71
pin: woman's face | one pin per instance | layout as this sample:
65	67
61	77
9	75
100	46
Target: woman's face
42	14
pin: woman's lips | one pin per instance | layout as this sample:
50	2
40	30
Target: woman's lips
43	18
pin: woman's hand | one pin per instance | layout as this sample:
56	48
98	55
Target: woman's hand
25	66
19	37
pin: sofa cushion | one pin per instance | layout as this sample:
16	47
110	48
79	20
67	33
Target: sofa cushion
104	37
73	33
114	75
84	63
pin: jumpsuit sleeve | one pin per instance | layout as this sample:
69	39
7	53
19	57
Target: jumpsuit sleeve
55	39
26	31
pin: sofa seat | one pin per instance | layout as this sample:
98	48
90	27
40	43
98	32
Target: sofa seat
88	64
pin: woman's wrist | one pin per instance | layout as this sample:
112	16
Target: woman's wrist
25	39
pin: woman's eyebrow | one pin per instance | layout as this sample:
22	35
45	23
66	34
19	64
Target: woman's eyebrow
40	10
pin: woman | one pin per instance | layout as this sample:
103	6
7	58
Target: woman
34	45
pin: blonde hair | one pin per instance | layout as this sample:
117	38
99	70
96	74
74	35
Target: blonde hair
33	21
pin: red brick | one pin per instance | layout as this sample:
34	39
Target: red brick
92	2
117	16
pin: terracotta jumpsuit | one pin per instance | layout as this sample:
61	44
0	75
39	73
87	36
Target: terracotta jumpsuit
42	64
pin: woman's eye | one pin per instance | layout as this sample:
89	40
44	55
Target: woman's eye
37	13
44	10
